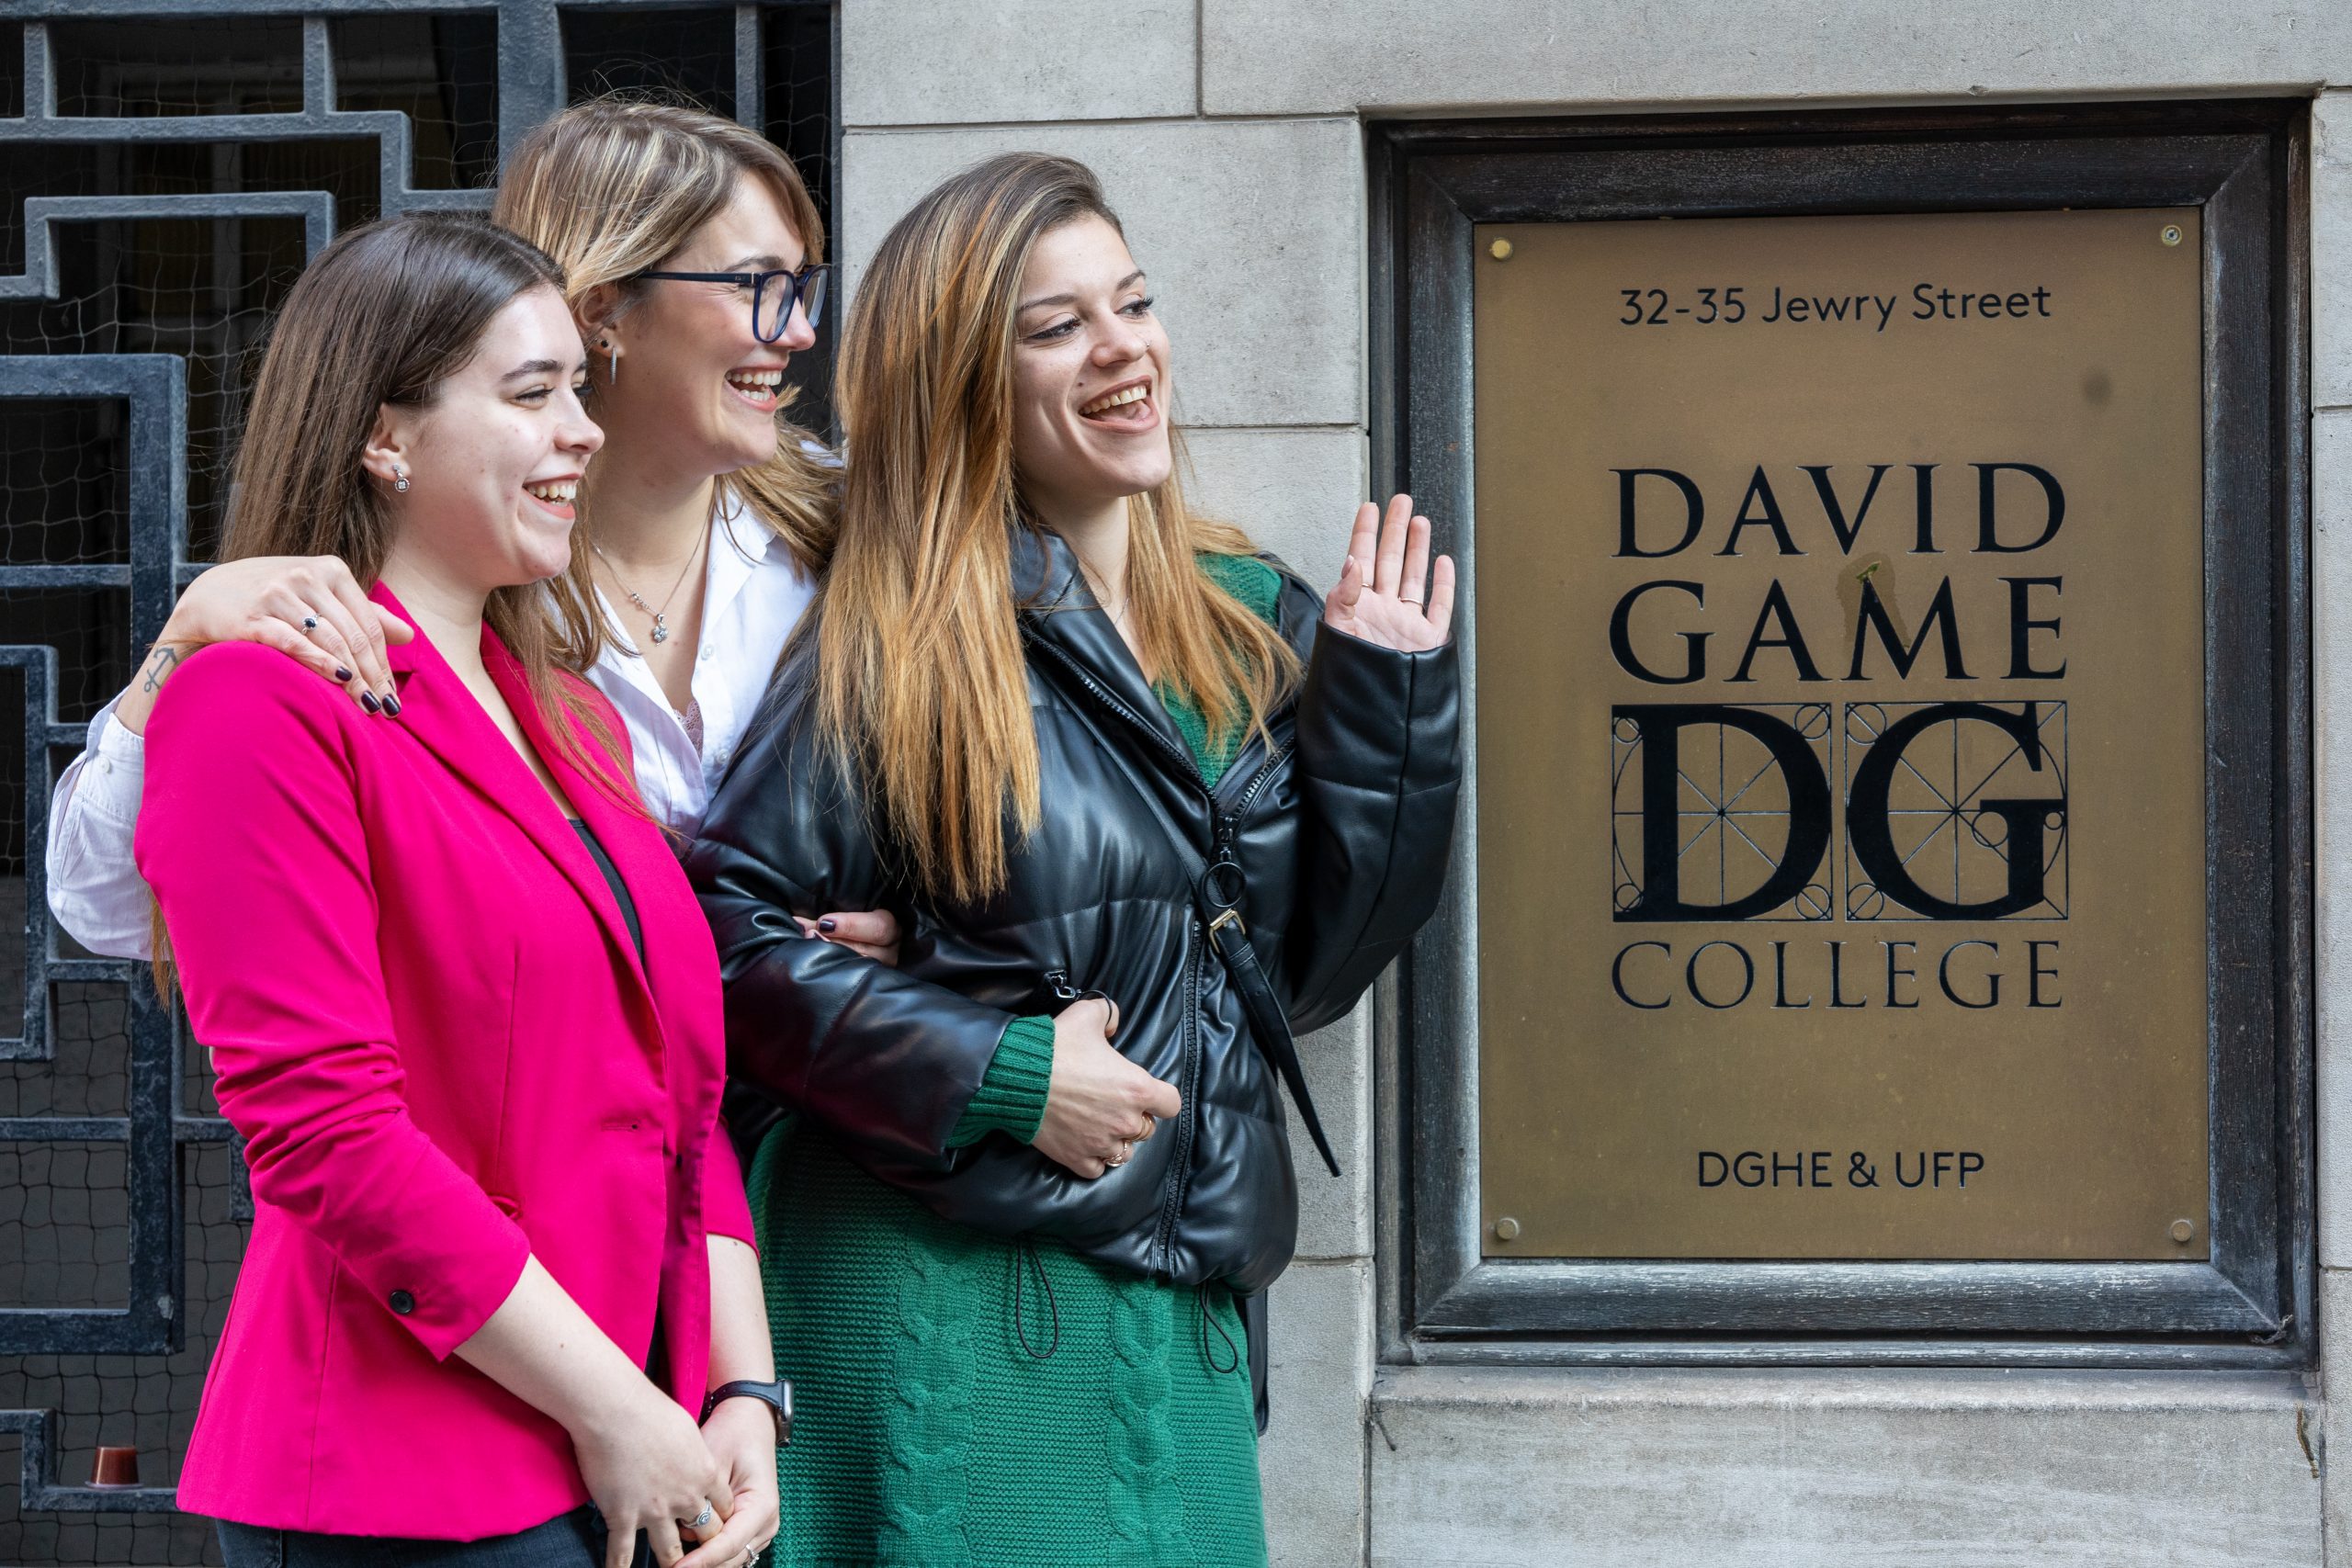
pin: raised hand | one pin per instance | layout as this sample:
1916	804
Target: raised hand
1387	593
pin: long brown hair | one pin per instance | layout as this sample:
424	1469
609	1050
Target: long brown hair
611	186
921	679
385	315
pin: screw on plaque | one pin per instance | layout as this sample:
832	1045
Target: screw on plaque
2182	1229
1500	250
2171	234
1506	1229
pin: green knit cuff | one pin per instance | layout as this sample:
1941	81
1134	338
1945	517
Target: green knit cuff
1011	1097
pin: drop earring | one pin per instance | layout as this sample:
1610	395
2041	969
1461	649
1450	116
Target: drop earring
612	362
400	478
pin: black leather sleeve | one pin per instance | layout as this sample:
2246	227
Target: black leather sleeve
1379	764
874	1052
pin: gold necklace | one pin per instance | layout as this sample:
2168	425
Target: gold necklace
661	617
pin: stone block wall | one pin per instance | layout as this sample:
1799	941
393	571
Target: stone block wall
1231	136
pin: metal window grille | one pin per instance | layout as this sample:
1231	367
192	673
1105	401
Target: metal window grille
166	167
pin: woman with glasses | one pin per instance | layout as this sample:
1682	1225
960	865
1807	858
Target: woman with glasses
693	254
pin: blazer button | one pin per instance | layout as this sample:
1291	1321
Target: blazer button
402	1302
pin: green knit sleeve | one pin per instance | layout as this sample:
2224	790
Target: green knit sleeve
1012	1096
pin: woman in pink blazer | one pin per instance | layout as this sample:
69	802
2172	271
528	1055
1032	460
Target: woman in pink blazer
460	1000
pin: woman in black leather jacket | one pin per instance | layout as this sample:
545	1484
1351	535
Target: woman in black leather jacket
1145	804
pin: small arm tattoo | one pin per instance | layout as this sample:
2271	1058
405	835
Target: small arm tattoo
161	663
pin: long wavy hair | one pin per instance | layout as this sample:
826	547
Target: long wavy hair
611	186
921	678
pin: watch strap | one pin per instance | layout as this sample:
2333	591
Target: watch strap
776	1396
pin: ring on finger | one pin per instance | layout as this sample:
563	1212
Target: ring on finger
309	623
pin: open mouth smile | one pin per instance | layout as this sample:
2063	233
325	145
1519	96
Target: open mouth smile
556	495
758	388
1129	405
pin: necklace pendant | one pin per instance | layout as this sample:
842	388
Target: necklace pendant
661	629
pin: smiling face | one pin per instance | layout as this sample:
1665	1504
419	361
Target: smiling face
493	461
693	374
1090	375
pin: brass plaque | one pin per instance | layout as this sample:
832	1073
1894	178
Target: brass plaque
1840	738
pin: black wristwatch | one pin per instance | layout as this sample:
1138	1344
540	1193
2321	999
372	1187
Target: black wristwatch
776	1396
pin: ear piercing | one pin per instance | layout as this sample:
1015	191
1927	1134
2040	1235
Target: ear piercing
400	478
612	362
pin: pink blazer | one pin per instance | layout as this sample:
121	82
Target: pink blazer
427	1019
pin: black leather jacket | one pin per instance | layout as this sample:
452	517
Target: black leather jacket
1343	830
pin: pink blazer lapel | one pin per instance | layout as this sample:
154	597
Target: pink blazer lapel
437	709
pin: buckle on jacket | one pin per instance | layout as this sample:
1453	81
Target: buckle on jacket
1229	918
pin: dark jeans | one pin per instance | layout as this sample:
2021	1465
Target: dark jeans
575	1540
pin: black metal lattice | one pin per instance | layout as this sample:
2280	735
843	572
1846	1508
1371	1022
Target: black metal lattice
168	166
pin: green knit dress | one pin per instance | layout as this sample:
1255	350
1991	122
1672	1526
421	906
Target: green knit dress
966	1400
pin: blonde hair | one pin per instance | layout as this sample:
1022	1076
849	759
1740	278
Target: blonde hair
608	189
921	675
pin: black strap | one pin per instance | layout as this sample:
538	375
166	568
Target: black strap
1253	1327
1024	1258
1217	892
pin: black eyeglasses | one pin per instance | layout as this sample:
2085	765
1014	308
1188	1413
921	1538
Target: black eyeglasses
772	294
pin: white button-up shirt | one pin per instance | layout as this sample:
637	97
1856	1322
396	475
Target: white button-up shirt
753	594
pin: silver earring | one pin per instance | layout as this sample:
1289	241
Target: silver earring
612	362
399	477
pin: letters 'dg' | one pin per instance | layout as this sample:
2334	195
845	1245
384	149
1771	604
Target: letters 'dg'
1656	728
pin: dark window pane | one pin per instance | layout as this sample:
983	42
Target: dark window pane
218	65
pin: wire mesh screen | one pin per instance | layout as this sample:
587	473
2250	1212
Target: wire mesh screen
164	177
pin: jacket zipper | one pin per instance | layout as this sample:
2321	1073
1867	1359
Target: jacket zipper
1189	771
1228	822
1187	1117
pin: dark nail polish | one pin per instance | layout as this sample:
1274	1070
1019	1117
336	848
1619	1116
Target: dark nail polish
341	674
367	700
391	704
827	925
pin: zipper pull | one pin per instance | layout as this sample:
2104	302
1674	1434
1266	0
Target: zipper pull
1227	825
1057	981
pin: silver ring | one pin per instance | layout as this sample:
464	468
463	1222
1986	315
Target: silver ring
700	1519
309	623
